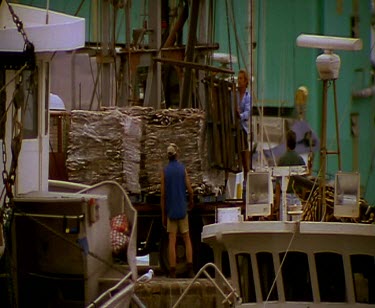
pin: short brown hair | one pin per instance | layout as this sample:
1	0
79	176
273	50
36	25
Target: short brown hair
291	139
244	72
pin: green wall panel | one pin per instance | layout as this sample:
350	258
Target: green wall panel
280	67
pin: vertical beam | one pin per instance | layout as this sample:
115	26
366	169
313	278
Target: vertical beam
337	125
323	150
125	72
185	101
73	80
106	71
94	21
153	97
354	119
204	35
250	136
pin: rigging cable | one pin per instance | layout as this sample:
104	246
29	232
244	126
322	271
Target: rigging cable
229	41
239	47
280	267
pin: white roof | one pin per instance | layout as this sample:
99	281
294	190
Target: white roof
55	102
63	32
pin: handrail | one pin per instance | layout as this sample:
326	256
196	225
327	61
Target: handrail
119	296
67	185
108	292
76	217
203	270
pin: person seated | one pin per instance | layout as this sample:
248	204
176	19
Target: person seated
289	158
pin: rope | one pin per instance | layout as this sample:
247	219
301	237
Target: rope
13	78
239	48
74	244
228	32
79	7
279	269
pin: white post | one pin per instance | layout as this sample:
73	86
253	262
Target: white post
283	204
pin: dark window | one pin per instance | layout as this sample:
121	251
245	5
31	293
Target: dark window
30	109
331	277
225	264
267	276
363	270
296	277
245	278
2	104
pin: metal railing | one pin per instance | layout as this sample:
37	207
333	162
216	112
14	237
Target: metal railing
123	291
227	297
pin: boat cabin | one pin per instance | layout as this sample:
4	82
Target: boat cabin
299	264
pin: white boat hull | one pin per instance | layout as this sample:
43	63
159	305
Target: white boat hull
299	264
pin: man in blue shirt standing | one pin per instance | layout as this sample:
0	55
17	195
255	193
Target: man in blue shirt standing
243	103
174	183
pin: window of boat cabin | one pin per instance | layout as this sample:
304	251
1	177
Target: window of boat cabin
225	264
266	272
363	275
245	278
28	93
331	277
2	104
30	112
296	276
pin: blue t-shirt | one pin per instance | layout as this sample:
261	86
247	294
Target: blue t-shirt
244	107
175	190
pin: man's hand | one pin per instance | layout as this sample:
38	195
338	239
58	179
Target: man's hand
164	221
238	113
191	204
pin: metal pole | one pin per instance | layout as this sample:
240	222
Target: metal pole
189	54
323	149
106	72
337	125
251	136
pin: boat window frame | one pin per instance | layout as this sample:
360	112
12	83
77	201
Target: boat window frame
245	277
363	267
331	277
266	267
296	276
30	112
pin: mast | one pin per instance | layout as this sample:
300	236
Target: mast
328	65
105	53
250	49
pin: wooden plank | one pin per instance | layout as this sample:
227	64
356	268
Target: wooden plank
194	65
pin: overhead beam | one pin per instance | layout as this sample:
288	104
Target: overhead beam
194	65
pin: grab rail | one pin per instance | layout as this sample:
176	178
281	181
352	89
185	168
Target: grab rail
203	270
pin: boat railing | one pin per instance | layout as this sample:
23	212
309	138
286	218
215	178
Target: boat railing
227	297
65	186
122	291
120	204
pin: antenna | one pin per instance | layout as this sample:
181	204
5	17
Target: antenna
328	65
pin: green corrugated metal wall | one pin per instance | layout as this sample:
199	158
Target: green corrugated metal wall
280	67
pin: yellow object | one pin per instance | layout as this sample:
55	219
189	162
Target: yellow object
239	190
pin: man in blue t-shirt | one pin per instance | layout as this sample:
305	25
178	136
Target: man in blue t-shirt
174	183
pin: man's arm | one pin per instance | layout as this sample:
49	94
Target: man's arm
245	115
190	190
